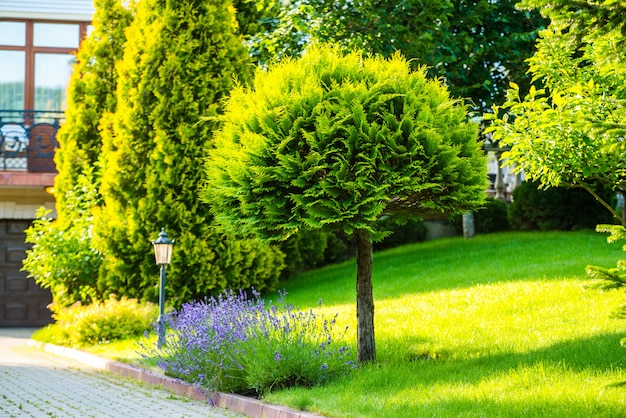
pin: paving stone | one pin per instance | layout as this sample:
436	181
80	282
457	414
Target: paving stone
37	384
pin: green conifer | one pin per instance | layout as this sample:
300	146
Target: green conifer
180	62
63	258
333	141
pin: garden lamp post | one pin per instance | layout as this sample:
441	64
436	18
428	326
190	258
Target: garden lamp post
163	254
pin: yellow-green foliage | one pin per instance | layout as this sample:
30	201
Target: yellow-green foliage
62	257
569	128
110	320
615	277
338	141
179	63
91	93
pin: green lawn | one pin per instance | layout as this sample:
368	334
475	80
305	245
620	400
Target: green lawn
500	325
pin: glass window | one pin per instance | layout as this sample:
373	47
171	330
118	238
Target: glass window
52	75
13	33
12	73
56	35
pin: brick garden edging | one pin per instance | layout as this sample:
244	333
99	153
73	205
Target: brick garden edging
248	406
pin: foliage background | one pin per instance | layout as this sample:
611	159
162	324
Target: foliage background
568	129
477	47
557	208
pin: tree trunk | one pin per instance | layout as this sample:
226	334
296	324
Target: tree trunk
469	230
623	193
366	347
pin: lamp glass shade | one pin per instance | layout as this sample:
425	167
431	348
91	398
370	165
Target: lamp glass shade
163	249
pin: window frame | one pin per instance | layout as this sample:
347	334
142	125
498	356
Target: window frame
31	50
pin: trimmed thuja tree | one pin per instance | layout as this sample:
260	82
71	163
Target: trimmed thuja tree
334	141
179	62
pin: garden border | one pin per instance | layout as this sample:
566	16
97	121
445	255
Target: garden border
248	406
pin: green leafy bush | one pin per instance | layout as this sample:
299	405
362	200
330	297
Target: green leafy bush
317	248
62	259
80	325
313	248
492	217
414	230
556	208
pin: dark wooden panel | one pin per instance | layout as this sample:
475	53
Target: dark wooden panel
22	302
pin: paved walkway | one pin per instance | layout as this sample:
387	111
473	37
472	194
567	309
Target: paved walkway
34	383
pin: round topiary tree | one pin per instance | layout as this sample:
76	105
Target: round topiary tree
334	141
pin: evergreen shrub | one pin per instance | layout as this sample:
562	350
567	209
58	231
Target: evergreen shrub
63	257
80	325
612	277
414	230
339	141
556	208
153	150
312	249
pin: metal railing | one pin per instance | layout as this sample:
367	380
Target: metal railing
28	139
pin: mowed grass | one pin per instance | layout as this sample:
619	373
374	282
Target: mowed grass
500	325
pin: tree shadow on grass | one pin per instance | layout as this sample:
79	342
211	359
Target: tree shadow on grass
456	263
590	358
595	354
508	408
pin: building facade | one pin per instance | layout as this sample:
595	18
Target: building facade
38	41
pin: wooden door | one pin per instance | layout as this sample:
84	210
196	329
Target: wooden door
22	302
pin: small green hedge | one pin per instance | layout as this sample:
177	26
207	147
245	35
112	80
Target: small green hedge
492	217
113	319
557	208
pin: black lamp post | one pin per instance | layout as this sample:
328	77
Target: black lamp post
163	254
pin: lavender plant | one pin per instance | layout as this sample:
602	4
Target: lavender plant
233	343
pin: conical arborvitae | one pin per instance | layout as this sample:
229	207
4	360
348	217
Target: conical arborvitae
181	60
63	258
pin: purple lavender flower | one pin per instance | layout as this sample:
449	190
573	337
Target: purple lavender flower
234	343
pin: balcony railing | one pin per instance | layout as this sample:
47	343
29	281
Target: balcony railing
28	140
